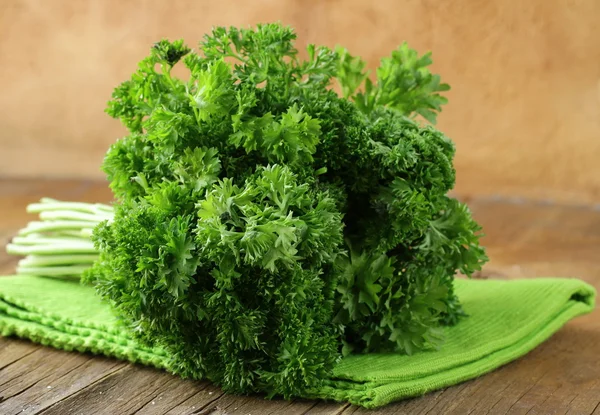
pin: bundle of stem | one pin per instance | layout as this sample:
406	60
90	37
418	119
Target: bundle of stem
59	244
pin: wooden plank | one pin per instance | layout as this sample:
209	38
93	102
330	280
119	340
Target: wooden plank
181	397
200	402
13	350
248	405
134	388
331	408
57	386
39	379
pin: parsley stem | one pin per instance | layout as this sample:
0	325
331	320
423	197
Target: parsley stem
58	259
83	247
59	244
68	270
47	204
35	239
34	227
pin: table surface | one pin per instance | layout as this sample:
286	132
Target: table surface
524	239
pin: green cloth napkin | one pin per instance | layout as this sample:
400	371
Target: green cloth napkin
506	320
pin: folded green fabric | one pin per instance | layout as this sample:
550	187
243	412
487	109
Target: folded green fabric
506	320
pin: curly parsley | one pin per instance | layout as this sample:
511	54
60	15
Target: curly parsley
265	225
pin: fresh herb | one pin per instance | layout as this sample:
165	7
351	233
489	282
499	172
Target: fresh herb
265	225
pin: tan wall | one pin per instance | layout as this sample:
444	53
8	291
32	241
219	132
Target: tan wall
524	109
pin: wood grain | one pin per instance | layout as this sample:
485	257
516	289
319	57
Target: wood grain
525	75
524	240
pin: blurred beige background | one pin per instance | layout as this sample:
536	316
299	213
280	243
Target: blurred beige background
524	109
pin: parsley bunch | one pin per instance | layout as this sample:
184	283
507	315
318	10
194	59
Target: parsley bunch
266	225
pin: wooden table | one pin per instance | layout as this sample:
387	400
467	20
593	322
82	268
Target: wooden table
524	239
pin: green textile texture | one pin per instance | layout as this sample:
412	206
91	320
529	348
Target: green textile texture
506	320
